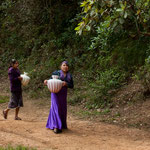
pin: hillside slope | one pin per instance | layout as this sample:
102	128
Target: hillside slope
82	134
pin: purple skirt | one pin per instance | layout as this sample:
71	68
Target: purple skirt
58	112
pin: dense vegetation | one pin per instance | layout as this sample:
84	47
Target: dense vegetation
111	43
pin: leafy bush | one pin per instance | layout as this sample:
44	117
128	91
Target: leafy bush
104	86
143	75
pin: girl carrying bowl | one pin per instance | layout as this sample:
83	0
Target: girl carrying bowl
57	119
16	90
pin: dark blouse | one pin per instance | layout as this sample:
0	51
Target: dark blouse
68	78
15	83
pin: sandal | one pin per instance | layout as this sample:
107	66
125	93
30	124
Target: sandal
4	114
17	118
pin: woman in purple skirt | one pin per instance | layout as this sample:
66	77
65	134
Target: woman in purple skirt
16	90
57	119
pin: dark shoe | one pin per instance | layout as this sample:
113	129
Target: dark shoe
4	114
17	118
57	131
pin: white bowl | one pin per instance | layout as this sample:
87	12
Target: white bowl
54	85
25	79
55	76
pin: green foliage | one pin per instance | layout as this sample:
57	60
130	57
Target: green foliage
74	100
128	53
143	75
123	14
105	85
103	36
40	35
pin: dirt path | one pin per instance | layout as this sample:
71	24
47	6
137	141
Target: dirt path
81	135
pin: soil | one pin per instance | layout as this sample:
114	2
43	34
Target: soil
81	134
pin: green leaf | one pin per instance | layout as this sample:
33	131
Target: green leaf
119	10
144	20
125	14
121	21
88	28
80	32
80	23
115	24
138	12
77	28
86	9
83	4
92	2
101	11
146	4
92	13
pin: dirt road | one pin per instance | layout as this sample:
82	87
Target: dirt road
81	135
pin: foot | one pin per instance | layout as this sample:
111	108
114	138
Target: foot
57	131
17	118
4	114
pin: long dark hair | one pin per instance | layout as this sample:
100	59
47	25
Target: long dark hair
12	62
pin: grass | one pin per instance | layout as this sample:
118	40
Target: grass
90	113
4	99
16	148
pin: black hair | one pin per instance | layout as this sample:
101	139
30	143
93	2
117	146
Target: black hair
12	62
